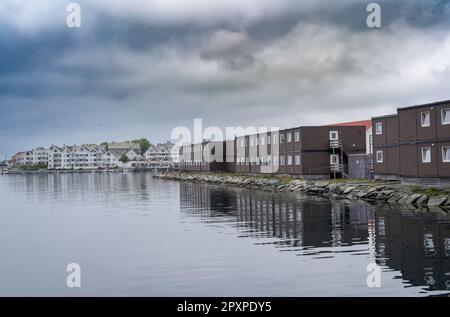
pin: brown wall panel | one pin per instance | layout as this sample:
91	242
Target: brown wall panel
408	160
393	160
407	122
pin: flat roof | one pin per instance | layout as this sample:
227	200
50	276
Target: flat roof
386	116
437	103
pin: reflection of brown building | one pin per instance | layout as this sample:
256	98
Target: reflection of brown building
414	145
418	248
309	223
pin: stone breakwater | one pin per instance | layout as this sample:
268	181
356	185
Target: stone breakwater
368	191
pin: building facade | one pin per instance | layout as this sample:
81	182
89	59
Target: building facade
308	152
414	144
162	156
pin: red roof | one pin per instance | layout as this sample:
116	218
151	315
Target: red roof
366	123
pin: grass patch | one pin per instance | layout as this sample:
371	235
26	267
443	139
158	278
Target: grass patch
429	191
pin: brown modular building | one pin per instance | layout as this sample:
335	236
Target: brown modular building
203	157
414	144
308	152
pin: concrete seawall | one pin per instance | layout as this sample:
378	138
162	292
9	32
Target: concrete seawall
368	191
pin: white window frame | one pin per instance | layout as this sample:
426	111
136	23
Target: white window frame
282	138
379	128
275	160
334	135
447	110
423	123
289	160
297	136
445	150
334	159
282	160
269	139
378	158
424	158
298	160
288	137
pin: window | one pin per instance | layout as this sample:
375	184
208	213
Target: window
275	160
289	160
297	160
446	154
297	136
282	160
263	160
269	138
334	159
379	156
263	140
426	155
334	135
288	137
445	116
379	128
281	138
425	119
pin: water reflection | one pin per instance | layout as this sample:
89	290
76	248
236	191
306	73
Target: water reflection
416	244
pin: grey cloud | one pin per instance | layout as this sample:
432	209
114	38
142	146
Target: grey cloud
142	71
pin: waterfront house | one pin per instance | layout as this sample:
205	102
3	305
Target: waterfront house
161	156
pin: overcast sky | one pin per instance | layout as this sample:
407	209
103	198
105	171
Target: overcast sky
139	68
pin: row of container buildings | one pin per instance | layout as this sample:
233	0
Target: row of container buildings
412	145
309	152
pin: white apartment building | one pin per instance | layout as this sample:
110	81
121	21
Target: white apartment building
110	159
87	156
162	156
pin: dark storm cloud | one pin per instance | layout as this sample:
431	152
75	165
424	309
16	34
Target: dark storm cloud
140	68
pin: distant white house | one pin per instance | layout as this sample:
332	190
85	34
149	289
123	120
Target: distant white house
86	156
161	156
110	159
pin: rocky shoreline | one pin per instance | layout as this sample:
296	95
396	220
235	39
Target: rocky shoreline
368	191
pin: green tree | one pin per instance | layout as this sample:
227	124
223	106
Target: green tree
124	158
143	143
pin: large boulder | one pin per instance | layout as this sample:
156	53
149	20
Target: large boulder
436	201
422	201
413	198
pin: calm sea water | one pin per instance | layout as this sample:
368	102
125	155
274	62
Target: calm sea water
137	236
